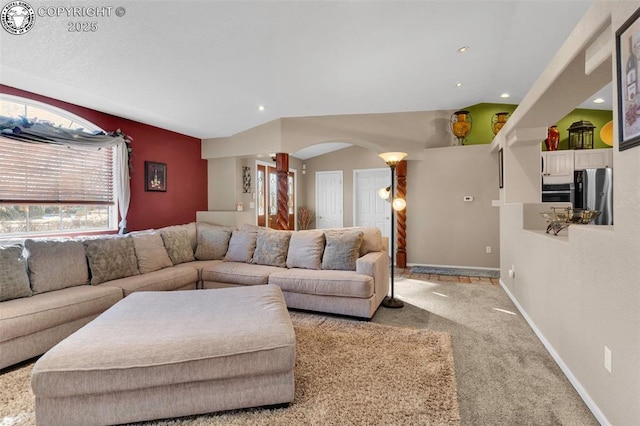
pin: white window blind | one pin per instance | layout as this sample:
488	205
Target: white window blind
48	173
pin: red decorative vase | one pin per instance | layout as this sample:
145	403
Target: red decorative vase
553	138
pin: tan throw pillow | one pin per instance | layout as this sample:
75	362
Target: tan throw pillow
192	232
56	264
305	250
178	245
342	250
111	258
213	243
371	240
272	248
14	282
241	246
150	252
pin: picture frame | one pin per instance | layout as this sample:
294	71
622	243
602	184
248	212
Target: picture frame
628	70
246	179
501	168
155	176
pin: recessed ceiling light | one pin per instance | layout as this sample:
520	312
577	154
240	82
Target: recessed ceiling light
598	101
261	108
463	49
458	84
505	95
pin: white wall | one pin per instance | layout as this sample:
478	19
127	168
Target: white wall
580	290
441	228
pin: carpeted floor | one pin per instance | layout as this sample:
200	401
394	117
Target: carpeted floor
505	375
347	372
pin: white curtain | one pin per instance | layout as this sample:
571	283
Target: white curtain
123	190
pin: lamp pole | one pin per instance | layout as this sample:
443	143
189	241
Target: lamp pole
392	159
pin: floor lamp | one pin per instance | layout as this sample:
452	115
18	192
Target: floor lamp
392	159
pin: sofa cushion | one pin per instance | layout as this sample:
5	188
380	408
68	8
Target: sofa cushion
14	281
213	242
241	246
342	249
325	283
192	232
111	258
22	317
238	273
178	245
150	252
271	248
371	238
56	264
305	250
167	279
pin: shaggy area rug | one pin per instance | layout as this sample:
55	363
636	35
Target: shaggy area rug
346	372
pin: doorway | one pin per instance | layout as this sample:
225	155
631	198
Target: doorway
329	199
266	196
368	208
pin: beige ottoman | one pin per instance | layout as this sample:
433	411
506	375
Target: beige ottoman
158	355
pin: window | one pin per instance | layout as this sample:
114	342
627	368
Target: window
49	188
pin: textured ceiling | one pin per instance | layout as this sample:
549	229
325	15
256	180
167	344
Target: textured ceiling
202	67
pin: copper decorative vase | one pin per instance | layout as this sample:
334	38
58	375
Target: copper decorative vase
498	120
461	125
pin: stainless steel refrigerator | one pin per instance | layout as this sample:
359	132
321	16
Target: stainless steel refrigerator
597	193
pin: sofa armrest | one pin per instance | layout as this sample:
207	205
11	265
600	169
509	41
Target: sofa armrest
375	264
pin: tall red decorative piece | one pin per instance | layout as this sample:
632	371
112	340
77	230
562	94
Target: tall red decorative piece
553	137
282	172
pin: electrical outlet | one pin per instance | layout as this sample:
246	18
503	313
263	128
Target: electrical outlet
607	359
488	249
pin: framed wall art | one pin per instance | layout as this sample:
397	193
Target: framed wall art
155	176
246	179
628	73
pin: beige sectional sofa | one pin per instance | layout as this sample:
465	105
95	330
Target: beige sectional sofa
51	288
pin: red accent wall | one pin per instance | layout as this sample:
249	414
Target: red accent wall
186	171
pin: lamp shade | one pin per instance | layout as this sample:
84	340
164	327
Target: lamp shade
399	204
392	158
384	192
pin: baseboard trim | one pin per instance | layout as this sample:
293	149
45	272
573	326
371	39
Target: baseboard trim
599	415
430	265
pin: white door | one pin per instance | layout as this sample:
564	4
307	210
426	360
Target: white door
369	209
329	199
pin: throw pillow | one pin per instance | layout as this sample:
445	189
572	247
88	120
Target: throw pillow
56	264
14	282
272	248
213	243
150	252
342	250
241	246
305	250
371	240
111	258
192	232
178	245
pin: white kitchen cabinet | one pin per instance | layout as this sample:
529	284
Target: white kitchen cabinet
557	166
593	158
